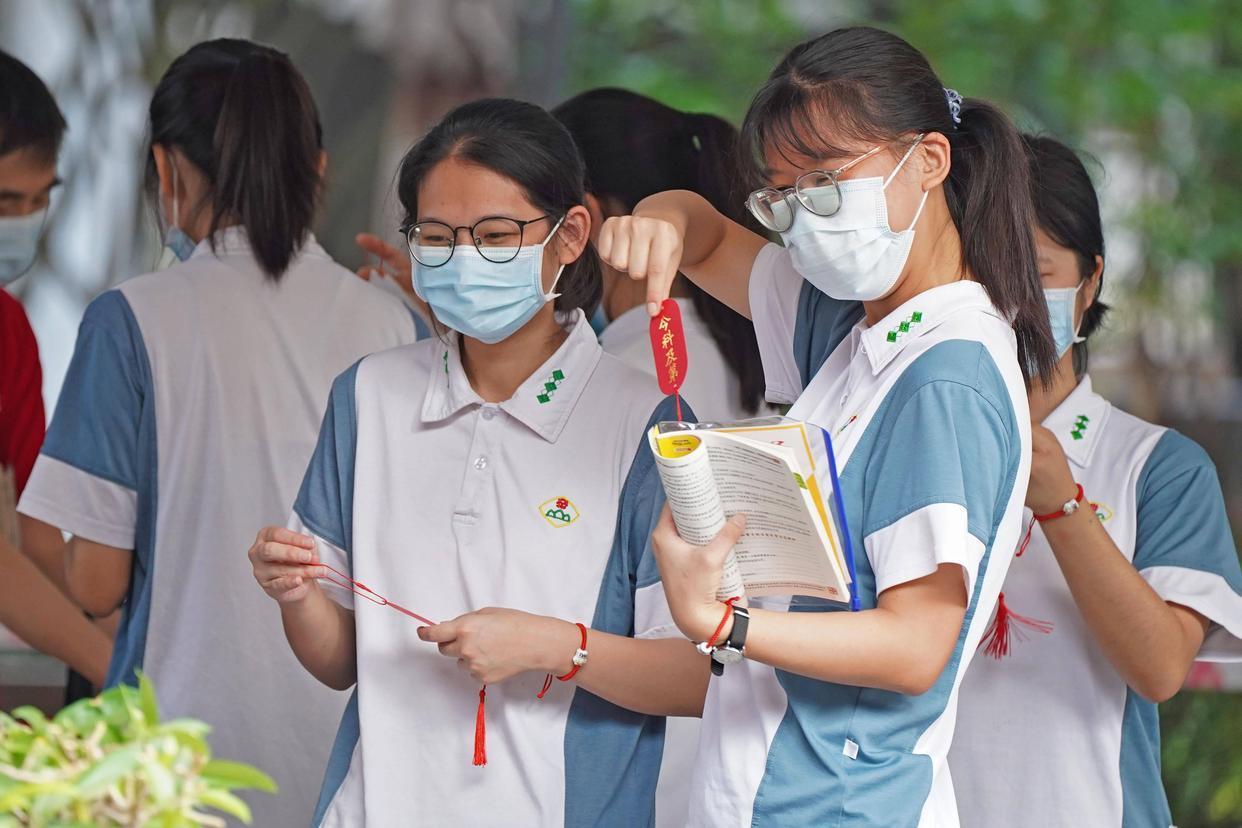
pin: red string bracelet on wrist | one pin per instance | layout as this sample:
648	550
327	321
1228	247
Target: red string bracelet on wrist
547	682
1060	513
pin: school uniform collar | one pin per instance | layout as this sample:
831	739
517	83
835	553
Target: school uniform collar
543	403
885	340
234	241
1078	422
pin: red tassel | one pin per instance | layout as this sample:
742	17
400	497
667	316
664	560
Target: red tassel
480	731
1006	626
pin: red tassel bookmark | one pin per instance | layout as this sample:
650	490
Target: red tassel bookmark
1007	626
480	731
668	347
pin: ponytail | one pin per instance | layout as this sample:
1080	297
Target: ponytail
661	148
243	115
872	86
989	196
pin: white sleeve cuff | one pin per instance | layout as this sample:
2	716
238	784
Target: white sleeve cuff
774	290
331	555
1209	595
80	503
652	617
914	546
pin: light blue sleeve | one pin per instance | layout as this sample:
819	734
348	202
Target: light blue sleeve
325	503
945	453
612	755
1184	546
820	325
98	422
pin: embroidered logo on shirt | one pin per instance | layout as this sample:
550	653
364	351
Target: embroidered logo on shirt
1080	427
904	327
559	511
1102	512
549	386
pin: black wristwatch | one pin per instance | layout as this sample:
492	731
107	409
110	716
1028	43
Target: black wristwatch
732	650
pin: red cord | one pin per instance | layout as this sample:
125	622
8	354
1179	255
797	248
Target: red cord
547	681
711	642
1060	513
358	588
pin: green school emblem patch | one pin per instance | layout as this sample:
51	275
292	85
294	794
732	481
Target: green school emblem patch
549	386
1080	427
903	328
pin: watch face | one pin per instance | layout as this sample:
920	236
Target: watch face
726	656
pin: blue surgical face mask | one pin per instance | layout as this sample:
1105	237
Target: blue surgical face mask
19	241
1061	307
485	300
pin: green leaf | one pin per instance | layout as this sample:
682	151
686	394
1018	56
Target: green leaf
226	774
227	802
32	716
109	770
161	784
147	703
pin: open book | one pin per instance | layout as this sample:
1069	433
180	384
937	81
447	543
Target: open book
794	543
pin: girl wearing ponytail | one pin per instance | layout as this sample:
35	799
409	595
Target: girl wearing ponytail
192	404
635	147
904	316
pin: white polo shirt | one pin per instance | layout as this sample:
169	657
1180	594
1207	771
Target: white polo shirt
930	425
1051	735
446	504
191	404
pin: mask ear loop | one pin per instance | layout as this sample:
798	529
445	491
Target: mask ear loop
893	174
552	294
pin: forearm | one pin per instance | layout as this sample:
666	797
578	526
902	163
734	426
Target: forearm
321	633
717	253
873	648
42	616
657	676
1150	643
45	545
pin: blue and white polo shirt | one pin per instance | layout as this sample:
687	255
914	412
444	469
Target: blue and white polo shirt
928	414
191	404
1052	735
447	504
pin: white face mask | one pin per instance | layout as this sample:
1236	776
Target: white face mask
853	254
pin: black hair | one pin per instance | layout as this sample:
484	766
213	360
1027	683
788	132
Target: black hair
29	117
866	84
1068	210
525	144
634	147
243	115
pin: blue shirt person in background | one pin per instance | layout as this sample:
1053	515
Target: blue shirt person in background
1108	605
194	395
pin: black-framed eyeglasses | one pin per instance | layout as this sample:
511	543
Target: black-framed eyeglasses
497	238
819	191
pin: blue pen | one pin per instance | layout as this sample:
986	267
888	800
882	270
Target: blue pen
855	605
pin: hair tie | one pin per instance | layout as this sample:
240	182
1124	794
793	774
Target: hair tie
955	104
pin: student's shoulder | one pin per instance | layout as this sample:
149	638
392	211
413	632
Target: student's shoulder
622	385
956	367
403	364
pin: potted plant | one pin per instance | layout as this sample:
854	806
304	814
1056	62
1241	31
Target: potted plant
109	761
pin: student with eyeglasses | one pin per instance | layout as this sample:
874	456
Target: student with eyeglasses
1127	573
495	479
901	203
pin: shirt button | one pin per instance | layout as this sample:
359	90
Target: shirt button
480	463
488	413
